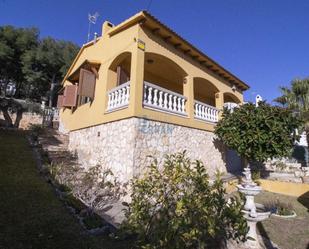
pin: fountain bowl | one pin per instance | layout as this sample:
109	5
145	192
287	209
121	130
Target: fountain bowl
261	211
249	190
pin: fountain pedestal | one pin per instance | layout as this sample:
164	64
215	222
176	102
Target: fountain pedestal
251	214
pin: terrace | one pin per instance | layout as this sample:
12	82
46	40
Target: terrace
164	89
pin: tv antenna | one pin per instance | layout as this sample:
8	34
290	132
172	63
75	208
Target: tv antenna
92	19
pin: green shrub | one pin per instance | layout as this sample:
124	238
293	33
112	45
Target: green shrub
92	220
64	188
259	133
73	202
281	166
178	207
36	129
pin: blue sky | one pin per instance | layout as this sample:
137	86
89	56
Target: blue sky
264	42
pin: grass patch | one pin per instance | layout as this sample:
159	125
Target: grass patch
287	233
30	213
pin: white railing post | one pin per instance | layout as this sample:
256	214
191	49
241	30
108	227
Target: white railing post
165	101
149	96
170	102
155	98
160	98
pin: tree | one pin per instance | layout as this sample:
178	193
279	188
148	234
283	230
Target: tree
11	106
296	99
14	42
31	63
177	207
258	133
47	64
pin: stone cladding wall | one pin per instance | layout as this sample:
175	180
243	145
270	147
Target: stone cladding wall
125	146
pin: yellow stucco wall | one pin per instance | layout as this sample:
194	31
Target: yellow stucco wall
285	188
106	49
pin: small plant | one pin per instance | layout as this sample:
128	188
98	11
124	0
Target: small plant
178	207
75	203
64	188
54	170
280	166
280	208
92	220
97	186
36	129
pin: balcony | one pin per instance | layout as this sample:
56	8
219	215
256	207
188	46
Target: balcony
165	88
160	99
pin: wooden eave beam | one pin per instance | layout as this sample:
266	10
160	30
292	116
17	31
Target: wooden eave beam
177	45
167	38
95	71
155	30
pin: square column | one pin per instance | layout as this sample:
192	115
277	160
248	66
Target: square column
219	102
188	91
137	80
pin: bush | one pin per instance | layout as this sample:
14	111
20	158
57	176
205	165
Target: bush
36	129
178	207
92	221
259	133
75	203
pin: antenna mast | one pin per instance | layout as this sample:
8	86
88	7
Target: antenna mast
92	19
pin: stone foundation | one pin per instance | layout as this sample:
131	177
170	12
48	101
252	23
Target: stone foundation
124	146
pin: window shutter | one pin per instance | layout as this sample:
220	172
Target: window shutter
60	101
70	96
122	76
87	82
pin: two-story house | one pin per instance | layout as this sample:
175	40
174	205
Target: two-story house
140	89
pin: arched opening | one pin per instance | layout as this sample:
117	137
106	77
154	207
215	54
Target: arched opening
161	71
119	70
118	82
205	91
230	98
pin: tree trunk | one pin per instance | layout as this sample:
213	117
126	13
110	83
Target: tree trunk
51	94
17	92
19	116
6	116
307	138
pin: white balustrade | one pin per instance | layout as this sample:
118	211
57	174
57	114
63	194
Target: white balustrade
118	97
163	99
230	106
205	112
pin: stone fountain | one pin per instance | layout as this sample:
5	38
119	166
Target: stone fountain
251	213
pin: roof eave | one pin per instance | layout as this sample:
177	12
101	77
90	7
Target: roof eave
212	65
